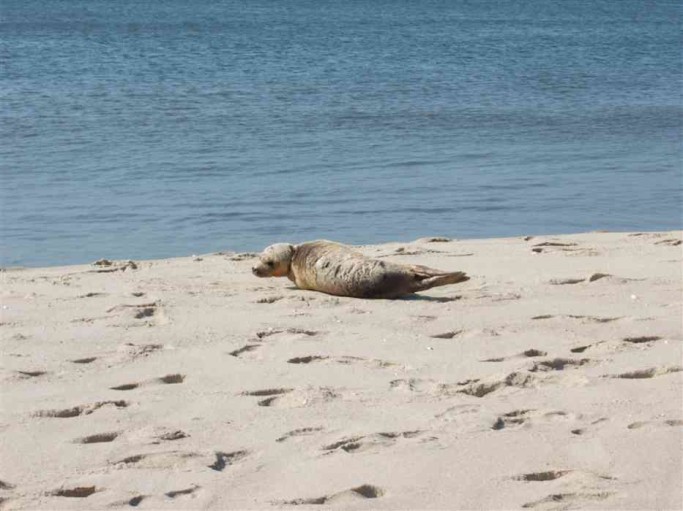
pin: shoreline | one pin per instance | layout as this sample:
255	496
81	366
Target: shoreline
552	378
229	252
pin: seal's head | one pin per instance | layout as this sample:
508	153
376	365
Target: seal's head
274	261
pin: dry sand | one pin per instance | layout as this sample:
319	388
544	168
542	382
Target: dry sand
551	380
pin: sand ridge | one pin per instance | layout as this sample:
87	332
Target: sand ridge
551	380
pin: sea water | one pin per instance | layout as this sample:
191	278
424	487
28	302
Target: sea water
160	128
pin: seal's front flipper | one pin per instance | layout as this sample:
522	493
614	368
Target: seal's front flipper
427	278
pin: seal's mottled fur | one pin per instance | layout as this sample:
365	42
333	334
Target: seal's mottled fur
337	269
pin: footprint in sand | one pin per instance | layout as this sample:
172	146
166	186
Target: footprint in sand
527	417
98	438
269	299
343	360
171	436
132	502
107	266
567	500
530	353
295	433
668	422
247	348
558	364
642	339
294	398
225	459
365	491
167	459
80	492
86	360
549	475
516	379
554	244
293	331
645	340
80	410
590	319
30	374
136	351
169	379
447	335
669	242
647	373
180	493
365	442
141	314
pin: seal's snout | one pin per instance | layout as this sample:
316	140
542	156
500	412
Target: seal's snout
254	270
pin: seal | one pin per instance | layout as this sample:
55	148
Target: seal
337	269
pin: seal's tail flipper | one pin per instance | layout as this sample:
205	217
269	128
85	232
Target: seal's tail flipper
427	278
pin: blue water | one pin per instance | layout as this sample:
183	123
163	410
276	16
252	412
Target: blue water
136	129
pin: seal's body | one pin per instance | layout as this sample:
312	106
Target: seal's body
337	269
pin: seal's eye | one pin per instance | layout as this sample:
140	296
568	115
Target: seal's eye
270	264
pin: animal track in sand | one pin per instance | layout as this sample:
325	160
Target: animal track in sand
299	432
77	492
225	459
4	485
365	491
98	438
79	410
343	360
169	379
365	442
567	499
647	373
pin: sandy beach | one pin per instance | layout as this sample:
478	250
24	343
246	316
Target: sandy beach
550	380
